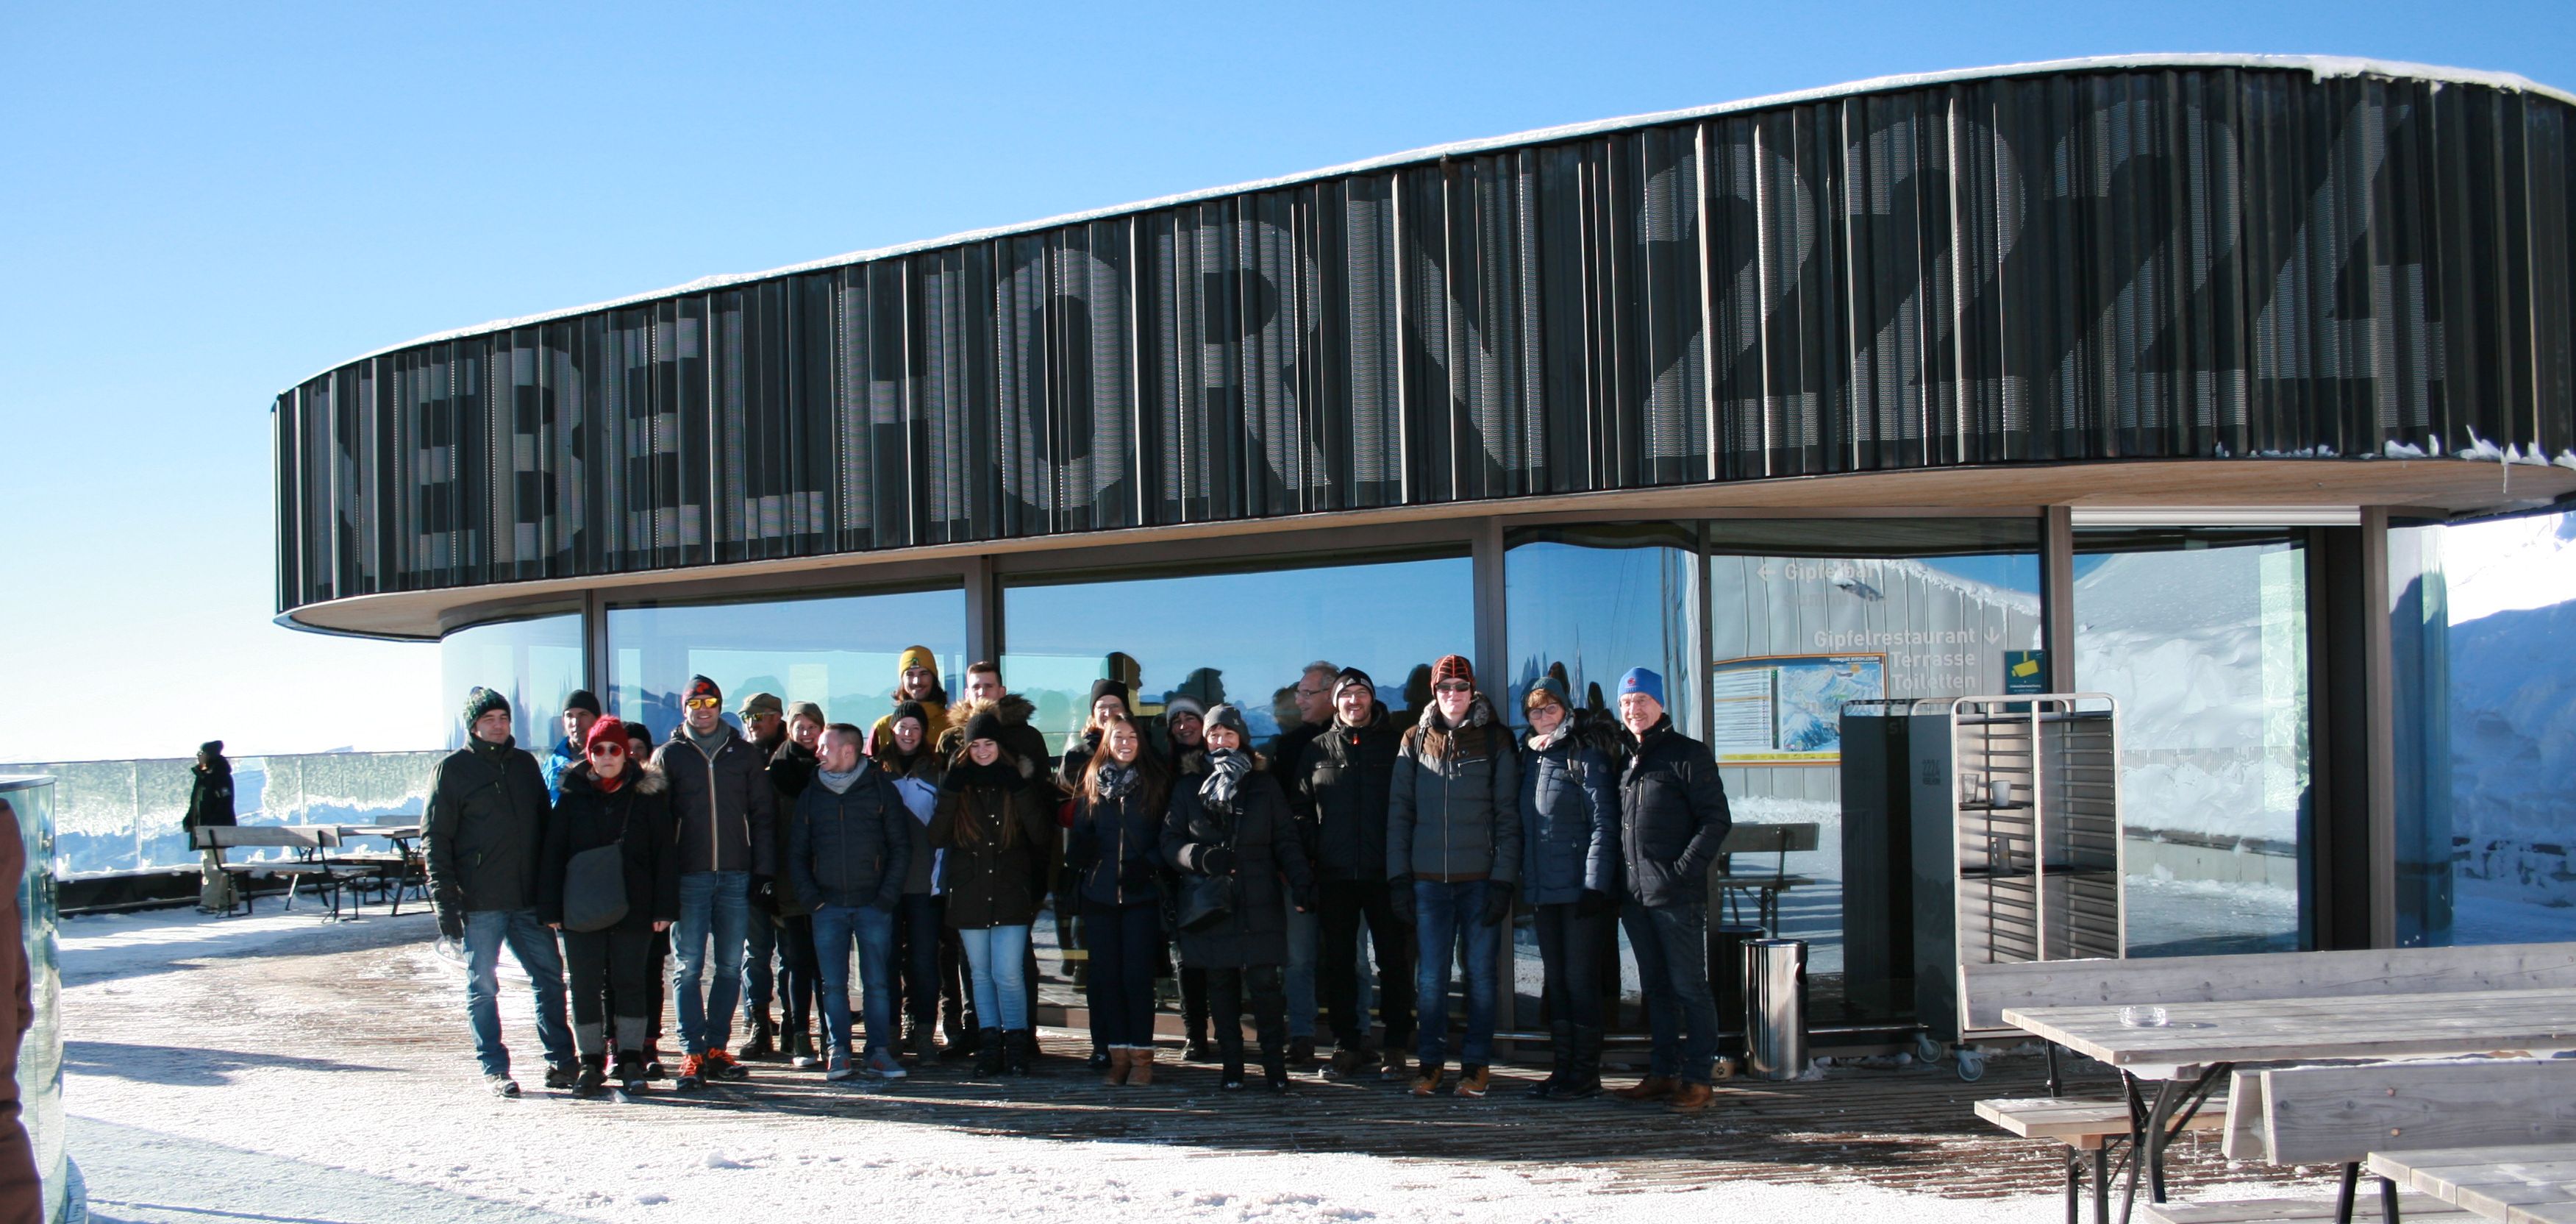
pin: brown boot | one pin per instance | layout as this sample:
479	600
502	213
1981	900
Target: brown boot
1427	1080
1474	1079
1692	1098
1651	1088
1140	1066
1116	1075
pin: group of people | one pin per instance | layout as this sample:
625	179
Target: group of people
755	860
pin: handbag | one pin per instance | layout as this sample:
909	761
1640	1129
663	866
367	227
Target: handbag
594	897
1208	900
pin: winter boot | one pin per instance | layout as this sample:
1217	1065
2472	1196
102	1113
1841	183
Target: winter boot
631	1076
1116	1074
924	1046
1585	1078
501	1085
988	1053
1353	1063
1274	1071
1651	1088
561	1075
800	1050
1691	1098
1140	1066
1474	1079
962	1043
1427	1080
763	1042
1301	1051
1561	1044
593	1081
1019	1052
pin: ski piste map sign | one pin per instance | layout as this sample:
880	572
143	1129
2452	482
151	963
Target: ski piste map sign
1788	709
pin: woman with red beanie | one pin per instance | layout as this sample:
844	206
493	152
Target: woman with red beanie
611	798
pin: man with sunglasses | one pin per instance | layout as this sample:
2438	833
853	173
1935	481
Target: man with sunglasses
1313	698
1453	858
482	836
726	813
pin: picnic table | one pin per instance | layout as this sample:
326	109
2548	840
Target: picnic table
409	871
2524	1184
312	846
2193	1051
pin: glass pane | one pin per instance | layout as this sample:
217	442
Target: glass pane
534	662
1585	604
2485	708
1243	637
2202	636
837	651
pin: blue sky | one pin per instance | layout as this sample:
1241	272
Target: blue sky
207	203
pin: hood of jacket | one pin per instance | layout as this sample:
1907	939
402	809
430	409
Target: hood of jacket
647	779
1436	737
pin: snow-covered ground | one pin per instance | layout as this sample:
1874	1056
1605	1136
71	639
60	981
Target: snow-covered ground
210	1076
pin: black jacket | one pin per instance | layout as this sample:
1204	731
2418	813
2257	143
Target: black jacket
1569	818
210	796
1269	863
1339	789
1022	741
484	829
1672	817
1117	847
728	814
989	883
852	848
636	816
1454	808
791	768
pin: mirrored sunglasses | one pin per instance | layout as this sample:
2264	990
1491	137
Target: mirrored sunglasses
607	750
703	703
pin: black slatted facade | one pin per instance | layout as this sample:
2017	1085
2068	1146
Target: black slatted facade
2190	262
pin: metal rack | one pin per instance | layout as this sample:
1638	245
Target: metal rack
2035	818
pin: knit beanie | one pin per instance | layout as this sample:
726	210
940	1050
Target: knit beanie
985	725
1640	680
481	701
1177	706
582	699
1452	667
212	748
1350	676
806	709
915	656
1229	715
1108	688
700	686
1548	689
914	711
606	731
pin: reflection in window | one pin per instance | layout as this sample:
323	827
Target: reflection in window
836	651
1240	636
1585	604
535	663
2202	636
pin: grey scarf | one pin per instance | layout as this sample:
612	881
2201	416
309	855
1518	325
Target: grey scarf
1225	774
711	743
839	782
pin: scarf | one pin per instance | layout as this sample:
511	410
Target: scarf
839	782
1113	781
1226	771
710	743
1539	743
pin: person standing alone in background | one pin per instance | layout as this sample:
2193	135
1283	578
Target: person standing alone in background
210	805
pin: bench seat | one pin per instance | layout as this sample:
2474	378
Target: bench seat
2410	1207
2082	1123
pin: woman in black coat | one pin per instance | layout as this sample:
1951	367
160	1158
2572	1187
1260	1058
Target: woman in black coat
210	804
1235	824
611	798
999	841
1117	864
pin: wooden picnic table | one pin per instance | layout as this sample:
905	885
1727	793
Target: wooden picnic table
2193	1051
2531	1184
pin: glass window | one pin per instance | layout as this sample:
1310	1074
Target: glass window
1587	603
534	662
1243	636
837	651
2202	636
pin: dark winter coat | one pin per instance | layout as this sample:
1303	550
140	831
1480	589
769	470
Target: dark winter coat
1117	847
1269	862
989	883
637	818
1340	791
852	848
210	797
484	829
790	769
1672	818
1022	741
727	811
1569	819
1453	808
926	767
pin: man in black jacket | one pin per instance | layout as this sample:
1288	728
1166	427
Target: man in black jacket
1340	793
728	859
482	836
848	855
1672	822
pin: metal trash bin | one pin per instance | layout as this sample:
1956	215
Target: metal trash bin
1726	982
1775	1008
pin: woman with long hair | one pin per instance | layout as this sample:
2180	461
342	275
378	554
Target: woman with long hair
611	798
992	822
915	768
1116	855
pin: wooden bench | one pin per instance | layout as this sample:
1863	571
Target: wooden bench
310	843
1764	888
1986	990
2518	1184
2341	1115
2089	1127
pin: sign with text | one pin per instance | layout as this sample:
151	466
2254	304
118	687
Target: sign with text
1788	709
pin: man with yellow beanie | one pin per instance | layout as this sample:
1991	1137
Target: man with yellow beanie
916	679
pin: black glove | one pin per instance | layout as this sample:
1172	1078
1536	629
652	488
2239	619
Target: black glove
1216	861
451	923
1593	903
1399	898
1498	902
764	894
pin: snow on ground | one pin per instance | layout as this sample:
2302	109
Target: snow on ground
204	1083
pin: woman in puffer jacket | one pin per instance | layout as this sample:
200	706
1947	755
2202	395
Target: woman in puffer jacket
612	798
1117	860
1235	824
999	841
1569	871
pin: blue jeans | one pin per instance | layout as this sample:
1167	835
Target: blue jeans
533	944
1001	989
1443	913
1304	937
834	927
1671	945
714	906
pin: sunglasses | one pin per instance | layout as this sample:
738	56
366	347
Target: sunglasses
606	750
703	703
1455	686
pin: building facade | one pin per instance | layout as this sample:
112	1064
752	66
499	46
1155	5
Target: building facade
2152	376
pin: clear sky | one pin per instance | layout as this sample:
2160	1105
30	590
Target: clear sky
206	203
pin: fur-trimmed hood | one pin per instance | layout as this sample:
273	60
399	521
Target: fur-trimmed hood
1433	736
647	782
1013	709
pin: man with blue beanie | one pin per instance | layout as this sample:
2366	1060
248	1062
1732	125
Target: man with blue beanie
1672	822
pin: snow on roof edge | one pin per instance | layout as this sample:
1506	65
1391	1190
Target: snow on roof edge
2320	66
